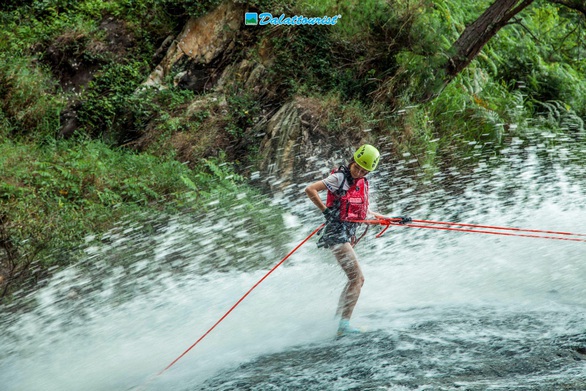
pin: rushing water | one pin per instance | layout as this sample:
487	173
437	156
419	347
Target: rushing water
440	310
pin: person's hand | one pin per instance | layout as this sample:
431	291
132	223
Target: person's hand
329	214
404	219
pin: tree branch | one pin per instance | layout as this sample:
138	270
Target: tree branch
577	5
477	34
518	9
520	23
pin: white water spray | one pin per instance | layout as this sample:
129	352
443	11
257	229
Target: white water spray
85	334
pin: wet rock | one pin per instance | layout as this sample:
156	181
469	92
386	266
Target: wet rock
296	143
246	73
160	52
202	41
499	354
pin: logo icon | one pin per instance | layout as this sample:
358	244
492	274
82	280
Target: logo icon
251	19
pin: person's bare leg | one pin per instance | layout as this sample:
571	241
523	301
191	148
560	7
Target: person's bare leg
348	260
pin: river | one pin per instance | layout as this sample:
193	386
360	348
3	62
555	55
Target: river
440	310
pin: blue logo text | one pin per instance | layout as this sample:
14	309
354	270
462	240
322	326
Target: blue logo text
297	20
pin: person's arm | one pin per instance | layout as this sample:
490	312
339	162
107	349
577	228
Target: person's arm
312	192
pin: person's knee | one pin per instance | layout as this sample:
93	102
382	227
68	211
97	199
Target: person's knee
360	280
357	280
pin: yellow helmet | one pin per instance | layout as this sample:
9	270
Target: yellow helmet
367	157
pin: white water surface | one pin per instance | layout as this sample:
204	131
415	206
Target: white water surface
83	336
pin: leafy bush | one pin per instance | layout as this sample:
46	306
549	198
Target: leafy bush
52	196
27	102
108	99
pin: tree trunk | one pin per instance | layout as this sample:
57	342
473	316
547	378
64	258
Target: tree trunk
473	39
476	35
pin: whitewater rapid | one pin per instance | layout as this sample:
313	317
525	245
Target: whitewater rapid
465	298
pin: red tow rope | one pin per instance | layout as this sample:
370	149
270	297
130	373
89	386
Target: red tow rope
387	222
240	300
476	228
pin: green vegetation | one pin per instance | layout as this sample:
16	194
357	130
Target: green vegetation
65	190
530	75
84	145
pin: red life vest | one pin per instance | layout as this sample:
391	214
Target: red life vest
353	203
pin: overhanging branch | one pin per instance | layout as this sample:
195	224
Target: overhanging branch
577	5
517	9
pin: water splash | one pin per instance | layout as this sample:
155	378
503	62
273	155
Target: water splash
137	301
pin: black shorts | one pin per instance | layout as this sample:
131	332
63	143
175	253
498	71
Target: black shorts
336	232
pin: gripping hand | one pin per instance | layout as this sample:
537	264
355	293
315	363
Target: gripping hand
330	214
404	219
